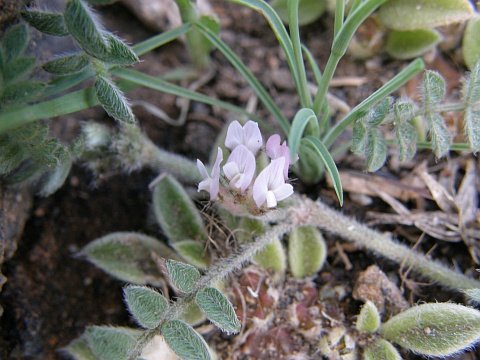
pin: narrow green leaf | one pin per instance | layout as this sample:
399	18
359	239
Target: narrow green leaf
369	319
308	10
406	137
471	86
193	251
185	341
302	118
409	44
376	150
68	64
436	329
307	251
109	343
182	275
48	23
128	256
18	69
471	42
113	101
146	305
439	134
85	28
377	116
471	121
381	349
14	42
424	14
78	349
246	73
329	163
359	138
213	24
218	309
175	211
272	256
433	88
19	93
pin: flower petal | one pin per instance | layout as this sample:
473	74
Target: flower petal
234	135
283	192
252	137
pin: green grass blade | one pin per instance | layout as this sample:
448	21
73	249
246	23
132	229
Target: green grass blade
330	165
299	123
396	82
152	82
161	39
249	77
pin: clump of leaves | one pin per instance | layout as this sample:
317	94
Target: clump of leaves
408	118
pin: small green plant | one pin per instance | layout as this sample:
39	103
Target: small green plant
248	185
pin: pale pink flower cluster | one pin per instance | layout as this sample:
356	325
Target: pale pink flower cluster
239	172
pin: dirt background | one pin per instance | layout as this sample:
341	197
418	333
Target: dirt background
51	295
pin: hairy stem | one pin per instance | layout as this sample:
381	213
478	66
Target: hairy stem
318	214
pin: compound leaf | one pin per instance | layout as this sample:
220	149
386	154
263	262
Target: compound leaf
146	305
48	23
183	276
112	100
65	65
185	342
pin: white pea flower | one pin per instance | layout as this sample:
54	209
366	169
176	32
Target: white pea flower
276	150
249	135
270	185
240	168
211	183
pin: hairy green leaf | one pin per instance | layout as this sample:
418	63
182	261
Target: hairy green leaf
433	88
376	117
423	14
183	276
307	251
146	305
439	134
381	349
18	69
471	42
68	64
272	256
359	138
48	23
112	100
409	44
404	110
436	329
308	10
56	178
473	295
471	86
369	319
184	341
175	211
376	150
118	52
78	349
85	28
193	251
218	309
129	256
14	42
406	137
109	343
18	93
472	128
